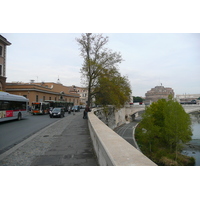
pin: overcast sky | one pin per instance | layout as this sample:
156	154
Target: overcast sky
150	59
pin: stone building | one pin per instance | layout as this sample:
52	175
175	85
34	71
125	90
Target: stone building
3	44
82	91
38	92
159	92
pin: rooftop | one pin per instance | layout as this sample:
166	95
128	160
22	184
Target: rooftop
4	40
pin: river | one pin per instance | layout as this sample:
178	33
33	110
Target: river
192	148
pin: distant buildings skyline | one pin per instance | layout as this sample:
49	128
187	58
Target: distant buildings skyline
161	92
158	92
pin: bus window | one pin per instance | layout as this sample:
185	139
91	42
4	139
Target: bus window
4	105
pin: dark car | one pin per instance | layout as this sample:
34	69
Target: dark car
57	112
76	108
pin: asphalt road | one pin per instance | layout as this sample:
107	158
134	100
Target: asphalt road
126	131
13	132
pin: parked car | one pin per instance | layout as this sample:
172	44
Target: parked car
57	112
76	108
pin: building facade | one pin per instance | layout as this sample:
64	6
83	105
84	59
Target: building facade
159	92
39	92
3	44
82	91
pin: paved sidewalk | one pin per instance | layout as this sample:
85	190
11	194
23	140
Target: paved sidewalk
67	142
72	147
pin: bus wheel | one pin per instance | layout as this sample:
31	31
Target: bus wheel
19	117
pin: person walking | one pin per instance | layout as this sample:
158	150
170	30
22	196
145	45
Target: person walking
74	111
69	110
85	115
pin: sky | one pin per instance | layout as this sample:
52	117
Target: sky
150	59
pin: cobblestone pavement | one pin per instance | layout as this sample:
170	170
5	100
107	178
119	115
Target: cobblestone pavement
66	142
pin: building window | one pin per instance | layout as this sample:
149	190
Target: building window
1	50
36	98
49	98
1	70
43	98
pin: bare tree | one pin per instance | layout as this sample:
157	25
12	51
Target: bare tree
96	59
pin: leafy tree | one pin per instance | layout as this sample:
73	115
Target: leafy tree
165	127
177	126
137	99
152	124
97	59
112	89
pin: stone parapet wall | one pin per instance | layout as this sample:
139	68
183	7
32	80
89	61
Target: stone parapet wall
111	149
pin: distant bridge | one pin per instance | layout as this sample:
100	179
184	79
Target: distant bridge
191	108
136	108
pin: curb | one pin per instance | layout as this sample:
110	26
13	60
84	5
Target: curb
137	147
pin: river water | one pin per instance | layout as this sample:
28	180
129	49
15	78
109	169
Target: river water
193	147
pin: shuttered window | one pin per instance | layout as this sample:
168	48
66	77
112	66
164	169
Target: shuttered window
1	70
1	50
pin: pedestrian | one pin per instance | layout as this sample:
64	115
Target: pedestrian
74	111
69	110
85	115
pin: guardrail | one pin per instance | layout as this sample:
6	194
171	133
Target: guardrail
111	149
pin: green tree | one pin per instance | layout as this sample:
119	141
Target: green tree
137	99
177	126
165	127
152	124
112	89
96	59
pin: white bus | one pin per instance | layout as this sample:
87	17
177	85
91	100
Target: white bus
40	108
12	106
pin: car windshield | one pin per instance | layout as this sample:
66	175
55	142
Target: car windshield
56	110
